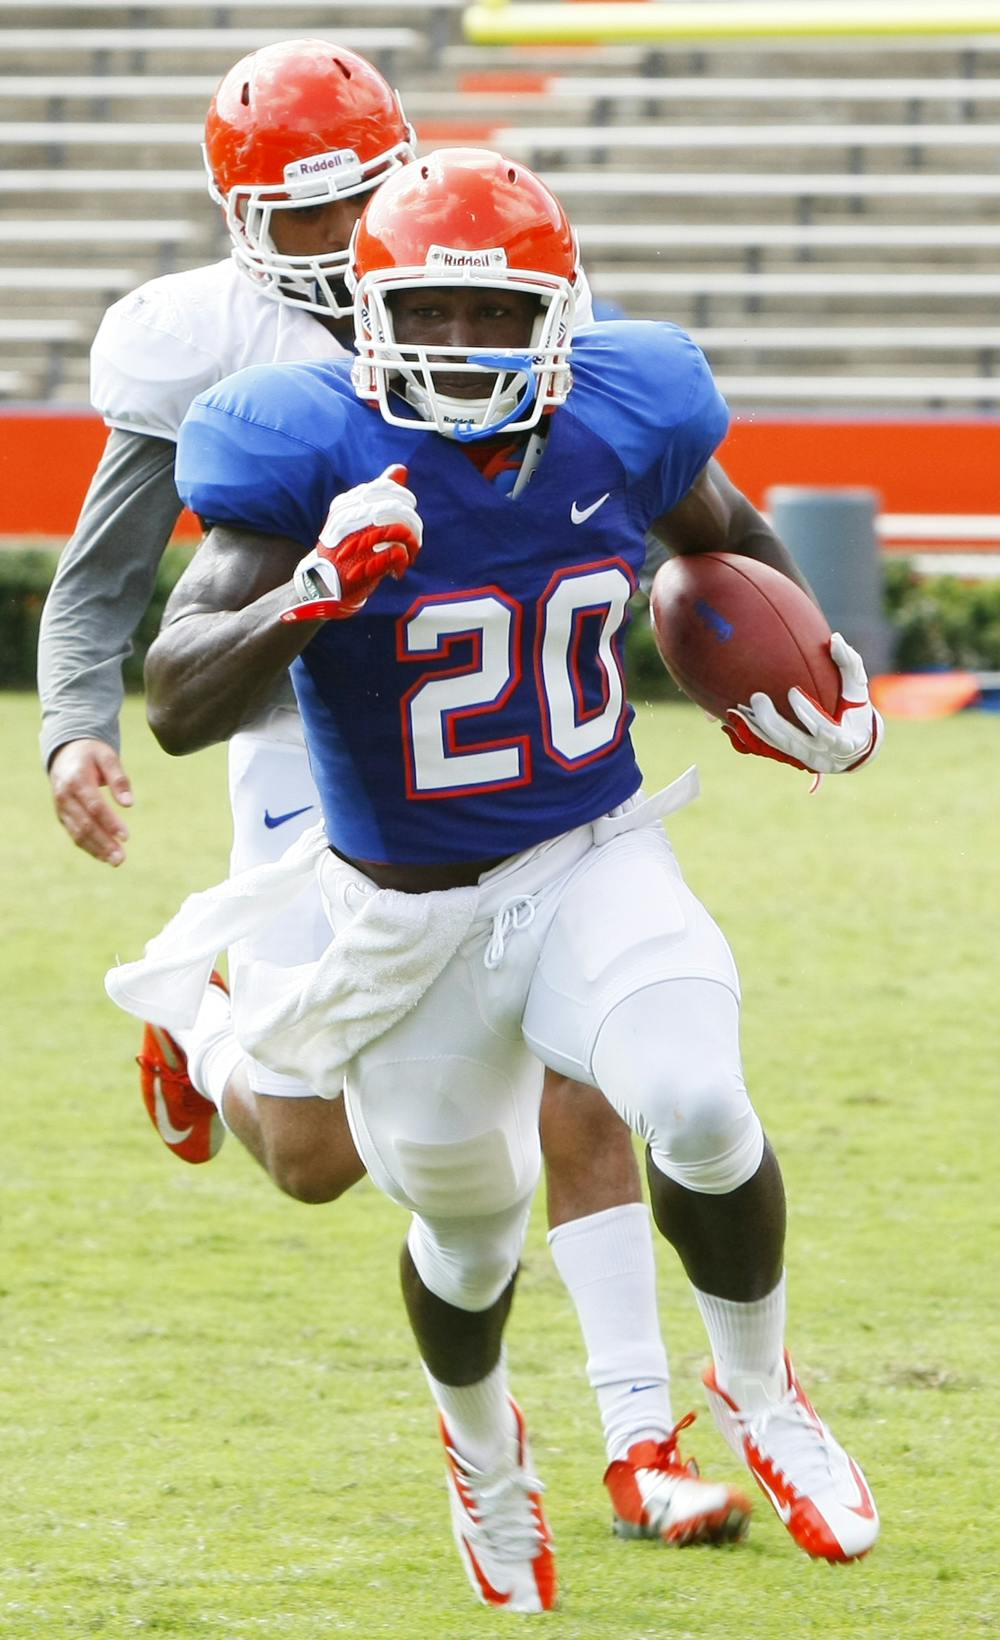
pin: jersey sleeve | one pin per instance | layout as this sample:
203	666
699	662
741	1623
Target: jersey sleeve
245	457
696	416
146	367
102	588
649	393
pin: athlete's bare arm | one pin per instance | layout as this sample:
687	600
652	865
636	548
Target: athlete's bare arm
715	516
222	648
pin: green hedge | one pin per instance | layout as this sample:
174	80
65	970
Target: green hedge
938	620
648	678
25	576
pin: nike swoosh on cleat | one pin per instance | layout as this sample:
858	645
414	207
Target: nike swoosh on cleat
782	1510
490	1594
164	1127
866	1508
272	820
579	515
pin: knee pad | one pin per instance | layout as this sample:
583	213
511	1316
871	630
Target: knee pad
469	1262
668	1059
736	1158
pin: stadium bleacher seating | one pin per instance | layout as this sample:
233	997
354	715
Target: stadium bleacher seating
22	45
913	138
609	93
432	17
109	282
822	213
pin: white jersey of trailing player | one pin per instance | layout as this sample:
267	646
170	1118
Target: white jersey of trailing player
165	343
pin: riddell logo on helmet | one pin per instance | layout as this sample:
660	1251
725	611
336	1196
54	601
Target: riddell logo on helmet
441	256
321	165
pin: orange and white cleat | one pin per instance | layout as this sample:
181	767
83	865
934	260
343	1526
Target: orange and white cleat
815	1488
187	1122
500	1528
655	1493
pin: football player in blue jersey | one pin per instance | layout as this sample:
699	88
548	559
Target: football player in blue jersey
442	542
297	135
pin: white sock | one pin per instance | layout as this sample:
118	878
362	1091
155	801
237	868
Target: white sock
478	1417
606	1263
747	1345
213	1052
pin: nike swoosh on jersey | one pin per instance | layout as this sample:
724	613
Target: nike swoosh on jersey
492	1595
579	515
782	1510
273	820
164	1126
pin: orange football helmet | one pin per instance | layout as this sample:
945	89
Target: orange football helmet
294	125
464	216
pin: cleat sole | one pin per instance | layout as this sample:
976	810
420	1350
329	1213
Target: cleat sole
728	1525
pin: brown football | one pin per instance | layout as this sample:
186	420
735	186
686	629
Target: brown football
727	626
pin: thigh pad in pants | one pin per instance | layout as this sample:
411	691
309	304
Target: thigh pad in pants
448	1133
626	920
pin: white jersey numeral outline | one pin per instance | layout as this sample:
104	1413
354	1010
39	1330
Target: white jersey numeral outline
440	700
572	733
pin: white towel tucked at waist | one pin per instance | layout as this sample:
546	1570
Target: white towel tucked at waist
311	1020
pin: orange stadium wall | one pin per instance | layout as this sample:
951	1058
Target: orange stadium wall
927	465
46	463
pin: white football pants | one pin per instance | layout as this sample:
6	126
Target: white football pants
595	959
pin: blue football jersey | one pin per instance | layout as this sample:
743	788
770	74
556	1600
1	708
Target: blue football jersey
477	706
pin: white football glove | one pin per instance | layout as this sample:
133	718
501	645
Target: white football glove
825	744
370	532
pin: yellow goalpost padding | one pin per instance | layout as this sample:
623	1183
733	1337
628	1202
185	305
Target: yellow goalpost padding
497	22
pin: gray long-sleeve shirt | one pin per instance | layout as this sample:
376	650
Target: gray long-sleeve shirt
156	349
102	589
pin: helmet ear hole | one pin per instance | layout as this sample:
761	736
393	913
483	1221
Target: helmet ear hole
245	94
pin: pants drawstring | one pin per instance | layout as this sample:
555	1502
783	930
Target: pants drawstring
514	914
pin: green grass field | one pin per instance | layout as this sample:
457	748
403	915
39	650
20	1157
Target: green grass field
213	1423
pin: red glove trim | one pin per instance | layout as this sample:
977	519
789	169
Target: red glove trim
743	739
